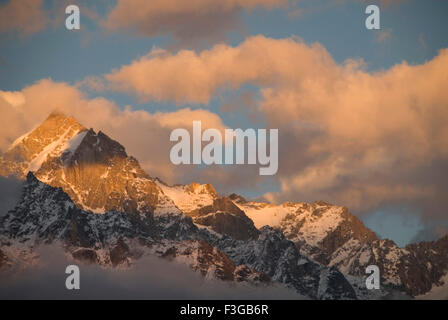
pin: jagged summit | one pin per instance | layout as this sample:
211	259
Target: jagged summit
31	178
27	153
202	203
47	215
237	198
93	169
58	113
191	196
334	237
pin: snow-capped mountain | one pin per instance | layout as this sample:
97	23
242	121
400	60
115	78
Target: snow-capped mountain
220	214
334	237
189	197
88	196
47	215
91	168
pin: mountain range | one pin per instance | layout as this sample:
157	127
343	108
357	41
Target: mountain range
83	192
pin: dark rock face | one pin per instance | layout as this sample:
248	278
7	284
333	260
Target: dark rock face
224	217
85	255
242	273
46	214
210	261
207	256
351	247
424	266
119	253
237	198
272	254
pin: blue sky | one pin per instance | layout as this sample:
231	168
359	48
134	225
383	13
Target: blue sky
417	32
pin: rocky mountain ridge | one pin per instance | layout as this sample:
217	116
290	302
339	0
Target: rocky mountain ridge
47	215
334	237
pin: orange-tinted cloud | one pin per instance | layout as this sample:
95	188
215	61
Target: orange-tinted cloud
190	77
186	21
24	17
347	136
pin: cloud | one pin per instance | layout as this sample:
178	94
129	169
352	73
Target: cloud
431	231
188	77
24	17
13	98
149	278
27	17
348	136
187	21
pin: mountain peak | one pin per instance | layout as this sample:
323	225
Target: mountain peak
191	196
237	198
57	117
57	113
51	137
197	188
31	178
93	169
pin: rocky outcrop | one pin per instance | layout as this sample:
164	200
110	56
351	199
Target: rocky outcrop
424	266
212	263
224	217
202	203
237	198
272	254
85	255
